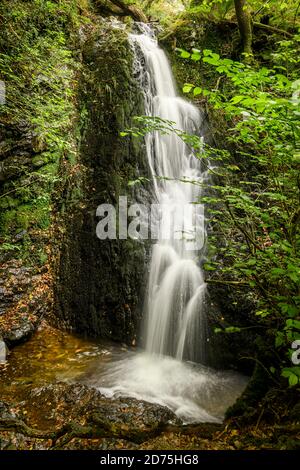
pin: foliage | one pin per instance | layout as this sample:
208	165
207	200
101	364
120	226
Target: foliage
163	9
282	13
40	73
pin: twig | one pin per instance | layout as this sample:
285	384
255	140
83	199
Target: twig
234	283
259	418
20	187
260	9
264	367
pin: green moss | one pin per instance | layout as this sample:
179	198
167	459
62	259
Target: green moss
8	221
41	92
39	161
8	202
50	169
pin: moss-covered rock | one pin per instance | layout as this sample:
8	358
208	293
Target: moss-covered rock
37	131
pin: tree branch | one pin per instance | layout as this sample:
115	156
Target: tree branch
266	27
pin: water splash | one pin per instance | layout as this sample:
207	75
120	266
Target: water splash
194	392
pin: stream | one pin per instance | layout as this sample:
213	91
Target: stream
194	392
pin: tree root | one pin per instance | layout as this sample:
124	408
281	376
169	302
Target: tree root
20	427
62	436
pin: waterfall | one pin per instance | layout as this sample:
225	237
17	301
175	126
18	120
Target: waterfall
175	322
170	369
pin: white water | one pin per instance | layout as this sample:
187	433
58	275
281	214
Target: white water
174	302
175	319
194	392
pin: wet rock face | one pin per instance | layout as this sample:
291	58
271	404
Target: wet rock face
99	281
229	307
25	297
60	403
20	149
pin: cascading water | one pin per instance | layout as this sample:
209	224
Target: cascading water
170	371
174	303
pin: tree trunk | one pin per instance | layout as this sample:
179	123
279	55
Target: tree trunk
244	23
120	8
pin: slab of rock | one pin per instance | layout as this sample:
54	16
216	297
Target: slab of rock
56	405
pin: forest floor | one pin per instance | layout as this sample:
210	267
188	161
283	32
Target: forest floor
250	438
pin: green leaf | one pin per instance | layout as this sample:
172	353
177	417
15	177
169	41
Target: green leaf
187	88
197	91
232	329
292	374
296	157
294	277
218	330
293	324
237	99
280	339
263	313
209	267
252	262
293	380
233	167
196	57
185	55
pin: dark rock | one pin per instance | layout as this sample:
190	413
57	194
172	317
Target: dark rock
98	282
6	412
226	307
19	142
24	300
20	235
14	166
20	332
295	412
60	403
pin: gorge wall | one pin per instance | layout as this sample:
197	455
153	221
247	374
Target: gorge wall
61	156
99	281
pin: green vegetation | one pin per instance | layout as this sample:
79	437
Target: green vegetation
239	61
39	63
259	216
253	201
